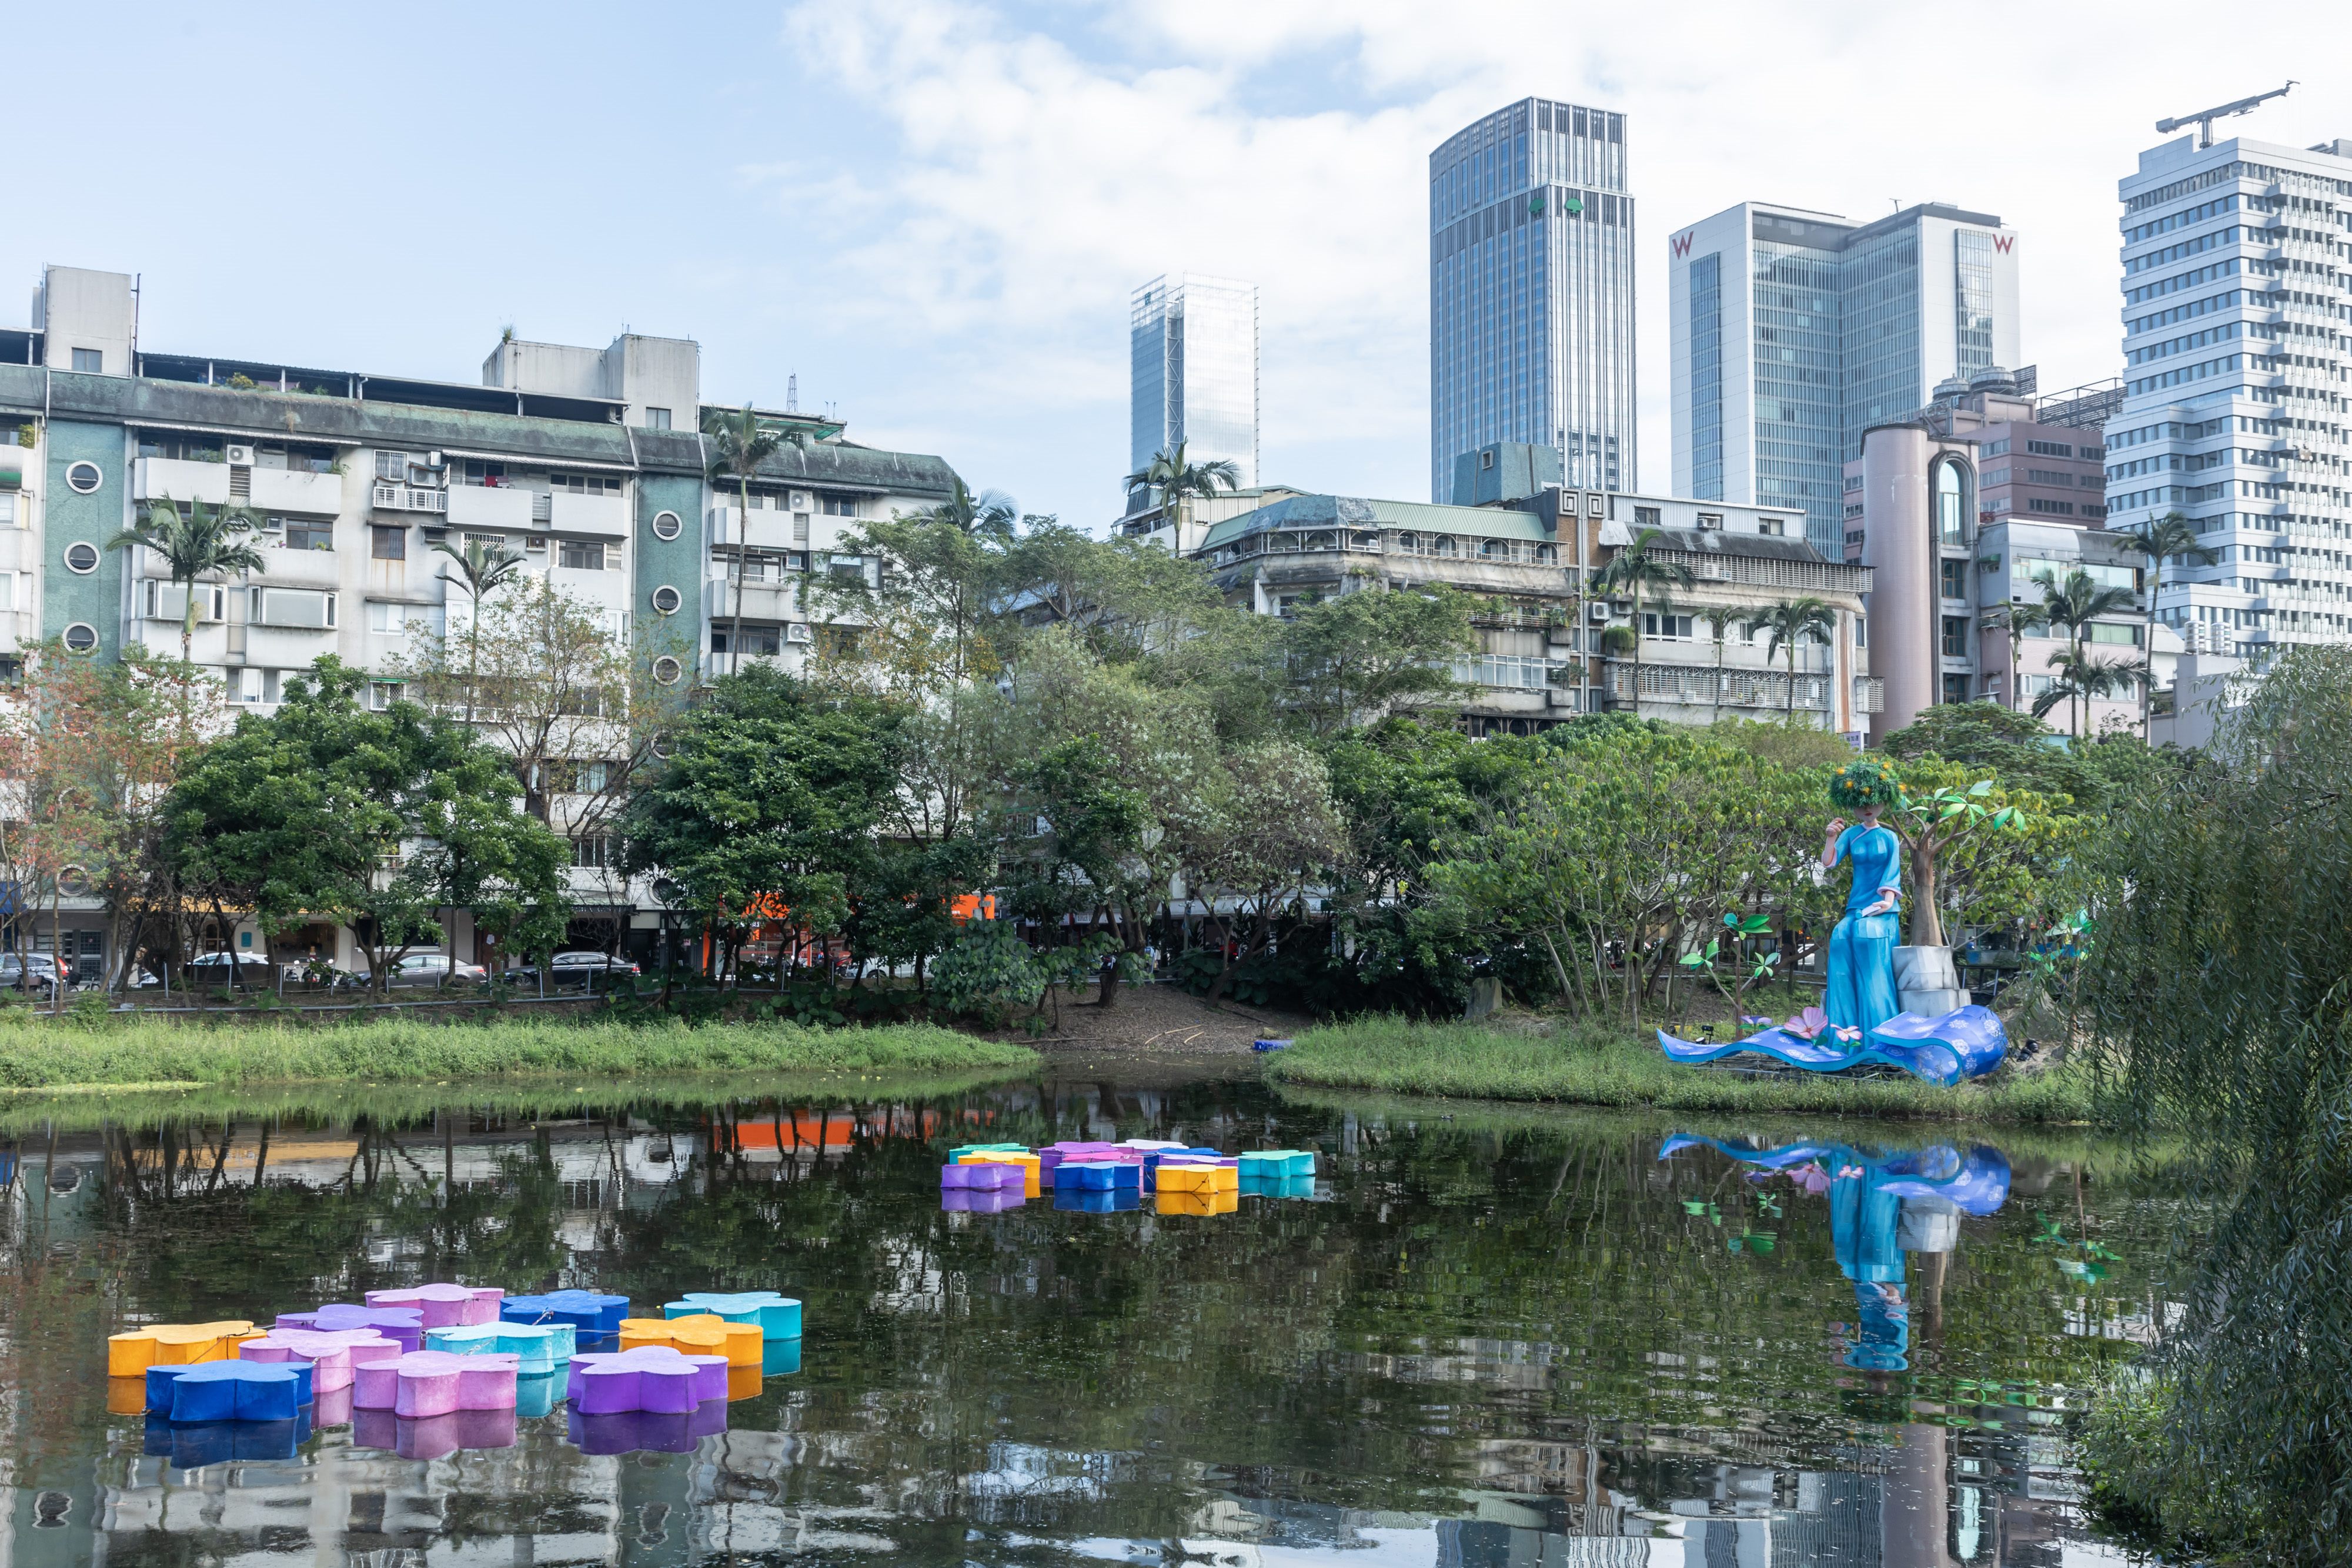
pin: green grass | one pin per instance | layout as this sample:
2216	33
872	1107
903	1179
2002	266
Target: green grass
1475	1062
152	1053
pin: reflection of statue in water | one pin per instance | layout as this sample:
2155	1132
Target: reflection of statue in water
1861	994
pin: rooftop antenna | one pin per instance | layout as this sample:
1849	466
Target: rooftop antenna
793	392
2203	118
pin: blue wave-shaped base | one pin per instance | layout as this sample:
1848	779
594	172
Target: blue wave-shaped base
1966	1043
1975	1178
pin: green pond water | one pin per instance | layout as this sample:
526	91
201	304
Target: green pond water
1478	1339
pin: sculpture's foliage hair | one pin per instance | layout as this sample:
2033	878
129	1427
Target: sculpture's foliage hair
1864	781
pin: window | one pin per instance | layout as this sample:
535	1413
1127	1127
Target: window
251	686
306	608
1955	688
666	670
666	599
667	525
84	478
381	694
580	555
1672	628
82	637
2049	448
387	543
593	853
394	619
1773	527
657	419
7	509
82	558
586	483
800	528
1956	638
1645	517
1861	632
1950	497
747	639
840	505
89	361
2107	632
309	533
1956	579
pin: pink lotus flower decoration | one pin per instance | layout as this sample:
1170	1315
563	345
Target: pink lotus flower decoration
1808	1024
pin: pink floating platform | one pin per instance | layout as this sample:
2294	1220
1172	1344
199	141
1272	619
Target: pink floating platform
434	1382
331	1353
650	1377
444	1306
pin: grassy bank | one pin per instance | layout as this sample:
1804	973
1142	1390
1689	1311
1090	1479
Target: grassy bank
150	1052
1474	1061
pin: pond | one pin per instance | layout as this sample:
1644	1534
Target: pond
1475	1338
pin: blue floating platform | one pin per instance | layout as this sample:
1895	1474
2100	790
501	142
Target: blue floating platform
1269	1045
1964	1044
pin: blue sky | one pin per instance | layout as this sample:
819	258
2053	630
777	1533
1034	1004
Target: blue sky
934	211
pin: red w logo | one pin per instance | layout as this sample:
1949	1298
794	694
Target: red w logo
2002	241
1682	243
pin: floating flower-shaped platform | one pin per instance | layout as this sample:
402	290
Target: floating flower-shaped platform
404	1326
444	1306
651	1378
778	1316
588	1312
229	1390
330	1354
702	1333
174	1344
435	1382
537	1347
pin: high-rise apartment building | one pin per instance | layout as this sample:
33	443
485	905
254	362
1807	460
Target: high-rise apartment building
1192	342
1795	331
2236	364
1531	293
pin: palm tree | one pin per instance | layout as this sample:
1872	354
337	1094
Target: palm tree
2081	677
1718	618
192	543
738	443
2018	619
1177	480
484	567
1790	622
988	513
1640	566
2073	606
2174	537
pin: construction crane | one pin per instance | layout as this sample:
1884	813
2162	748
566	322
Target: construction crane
2204	118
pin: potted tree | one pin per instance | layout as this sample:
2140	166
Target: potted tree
1931	826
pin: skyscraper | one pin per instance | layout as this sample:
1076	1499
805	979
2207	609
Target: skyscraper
1531	293
2235	364
1795	331
1194	344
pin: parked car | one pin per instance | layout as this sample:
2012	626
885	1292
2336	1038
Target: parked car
426	970
35	972
209	970
574	970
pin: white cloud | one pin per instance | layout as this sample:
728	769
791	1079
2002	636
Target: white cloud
1036	166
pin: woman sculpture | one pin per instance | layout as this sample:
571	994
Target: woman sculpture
1861	950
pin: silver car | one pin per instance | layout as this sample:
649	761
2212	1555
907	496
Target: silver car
429	970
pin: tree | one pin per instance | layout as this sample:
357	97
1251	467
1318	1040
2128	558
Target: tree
2019	620
738	443
377	821
766	806
1718	619
1935	826
1272	833
2083	678
484	567
1639	568
2170	537
1359	657
2073	606
1790	622
200	540
1175	480
988	515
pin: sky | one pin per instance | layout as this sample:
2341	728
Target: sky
933	212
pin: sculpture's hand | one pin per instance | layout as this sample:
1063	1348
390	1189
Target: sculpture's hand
1837	826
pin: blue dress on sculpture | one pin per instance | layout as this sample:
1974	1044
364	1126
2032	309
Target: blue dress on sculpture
1861	950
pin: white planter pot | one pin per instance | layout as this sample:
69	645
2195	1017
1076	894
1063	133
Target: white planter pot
1927	982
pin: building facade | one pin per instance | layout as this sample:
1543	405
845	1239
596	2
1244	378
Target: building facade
588	464
1193	345
2236	360
1531	293
1552	644
1793	332
1964	510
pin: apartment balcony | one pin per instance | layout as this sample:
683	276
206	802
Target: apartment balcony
154	477
1763	691
604	514
1869	695
767	529
287	568
390	497
491	510
293	490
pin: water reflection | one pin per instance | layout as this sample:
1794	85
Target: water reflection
1486	1342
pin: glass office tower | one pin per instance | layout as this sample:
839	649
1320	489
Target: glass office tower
1531	293
1794	332
2235	410
1192	341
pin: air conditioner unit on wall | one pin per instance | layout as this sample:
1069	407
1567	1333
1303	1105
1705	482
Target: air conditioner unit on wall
1596	611
802	502
798	632
239	456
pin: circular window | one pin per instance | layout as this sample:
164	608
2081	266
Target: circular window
84	478
667	670
82	555
73	882
82	637
662	745
667	525
666	599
